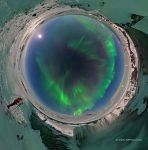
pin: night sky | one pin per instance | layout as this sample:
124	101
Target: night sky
74	64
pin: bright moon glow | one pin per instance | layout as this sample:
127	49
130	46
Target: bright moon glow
39	36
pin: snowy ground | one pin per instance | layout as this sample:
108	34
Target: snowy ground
9	129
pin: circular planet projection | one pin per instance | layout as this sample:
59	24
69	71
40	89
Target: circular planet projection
74	64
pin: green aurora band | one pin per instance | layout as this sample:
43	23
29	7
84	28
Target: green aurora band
73	65
57	87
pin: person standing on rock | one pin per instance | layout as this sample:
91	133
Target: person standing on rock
17	101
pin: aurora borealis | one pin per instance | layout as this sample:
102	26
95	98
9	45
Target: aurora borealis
74	64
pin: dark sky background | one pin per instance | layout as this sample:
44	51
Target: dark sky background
52	47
